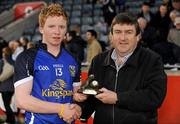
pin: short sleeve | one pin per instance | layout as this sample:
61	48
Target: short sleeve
24	68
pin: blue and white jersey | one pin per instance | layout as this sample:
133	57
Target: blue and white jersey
52	77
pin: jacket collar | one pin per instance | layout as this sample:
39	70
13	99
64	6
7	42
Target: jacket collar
132	60
108	60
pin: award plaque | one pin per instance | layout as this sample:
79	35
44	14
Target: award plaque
90	87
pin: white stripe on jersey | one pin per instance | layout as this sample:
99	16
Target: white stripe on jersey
22	81
32	119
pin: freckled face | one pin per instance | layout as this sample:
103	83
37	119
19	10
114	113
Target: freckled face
54	30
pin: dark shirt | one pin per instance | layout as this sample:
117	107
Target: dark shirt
140	86
76	48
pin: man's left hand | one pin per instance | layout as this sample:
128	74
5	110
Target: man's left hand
107	96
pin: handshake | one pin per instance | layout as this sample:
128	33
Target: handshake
69	112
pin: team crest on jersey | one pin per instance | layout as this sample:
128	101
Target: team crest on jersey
58	85
72	70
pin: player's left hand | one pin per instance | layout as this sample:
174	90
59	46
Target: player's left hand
79	97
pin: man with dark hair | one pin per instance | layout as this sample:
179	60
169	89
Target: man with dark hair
146	13
162	20
93	33
93	47
131	78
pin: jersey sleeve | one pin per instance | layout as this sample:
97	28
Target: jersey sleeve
23	68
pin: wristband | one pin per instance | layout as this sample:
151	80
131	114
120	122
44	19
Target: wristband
62	111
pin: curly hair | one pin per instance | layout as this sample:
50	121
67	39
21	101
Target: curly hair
51	10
